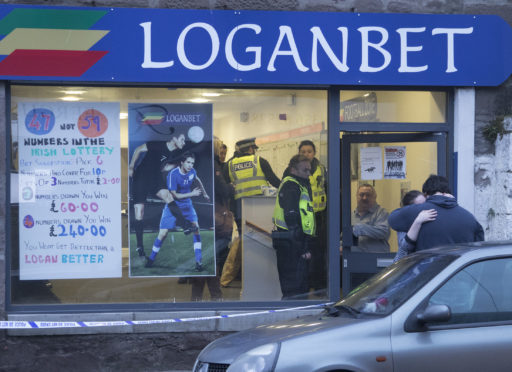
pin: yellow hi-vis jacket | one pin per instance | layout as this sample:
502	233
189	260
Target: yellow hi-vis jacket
245	172
317	181
307	214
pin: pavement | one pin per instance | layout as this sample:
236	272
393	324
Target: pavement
147	352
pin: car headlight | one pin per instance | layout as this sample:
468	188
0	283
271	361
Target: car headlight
200	367
260	359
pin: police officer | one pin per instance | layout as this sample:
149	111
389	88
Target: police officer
294	224
248	173
318	181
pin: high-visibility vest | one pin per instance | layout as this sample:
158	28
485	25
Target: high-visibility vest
245	172
317	181
307	215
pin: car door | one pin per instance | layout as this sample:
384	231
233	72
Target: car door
478	335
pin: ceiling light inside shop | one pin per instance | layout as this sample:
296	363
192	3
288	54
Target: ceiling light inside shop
211	94
70	98
74	92
199	100
123	115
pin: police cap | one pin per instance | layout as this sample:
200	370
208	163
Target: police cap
246	144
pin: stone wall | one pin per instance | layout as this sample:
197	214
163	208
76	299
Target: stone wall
493	187
500	7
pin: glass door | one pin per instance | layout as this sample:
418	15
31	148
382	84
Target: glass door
377	171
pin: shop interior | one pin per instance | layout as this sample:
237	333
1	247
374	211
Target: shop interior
279	119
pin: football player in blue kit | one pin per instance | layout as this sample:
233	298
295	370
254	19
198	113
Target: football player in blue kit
183	183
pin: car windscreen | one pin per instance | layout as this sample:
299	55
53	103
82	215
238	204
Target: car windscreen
391	287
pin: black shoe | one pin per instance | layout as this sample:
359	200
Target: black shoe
199	266
149	262
140	251
190	229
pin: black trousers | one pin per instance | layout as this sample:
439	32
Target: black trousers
292	268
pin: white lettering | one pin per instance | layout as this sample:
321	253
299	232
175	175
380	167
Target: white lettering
148	63
450	44
286	31
404	49
214	37
365	44
319	37
256	50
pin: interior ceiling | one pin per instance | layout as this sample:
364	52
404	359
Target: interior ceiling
227	102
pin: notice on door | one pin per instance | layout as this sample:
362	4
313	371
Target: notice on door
69	190
394	161
371	163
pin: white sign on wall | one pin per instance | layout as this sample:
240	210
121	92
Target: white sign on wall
69	190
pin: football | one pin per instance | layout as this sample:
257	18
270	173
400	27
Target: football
196	134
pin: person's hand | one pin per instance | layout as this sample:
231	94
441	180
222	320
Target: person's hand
426	215
306	256
130	171
196	192
168	167
297	234
205	195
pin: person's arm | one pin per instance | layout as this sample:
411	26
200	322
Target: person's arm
289	197
378	229
325	178
179	196
401	219
269	173
404	247
172	185
424	216
140	149
479	233
225	172
203	190
222	188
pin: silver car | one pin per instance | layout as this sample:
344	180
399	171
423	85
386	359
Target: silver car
444	309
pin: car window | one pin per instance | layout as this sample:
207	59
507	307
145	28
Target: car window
481	292
391	287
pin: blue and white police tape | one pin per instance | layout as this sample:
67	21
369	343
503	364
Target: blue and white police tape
31	324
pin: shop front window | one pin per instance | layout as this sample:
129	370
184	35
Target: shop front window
127	195
392	107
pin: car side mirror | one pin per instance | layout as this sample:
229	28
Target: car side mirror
434	314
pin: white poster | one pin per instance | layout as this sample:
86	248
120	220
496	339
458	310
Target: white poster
394	160
69	190
371	163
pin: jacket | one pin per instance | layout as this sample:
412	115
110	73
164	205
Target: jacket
453	223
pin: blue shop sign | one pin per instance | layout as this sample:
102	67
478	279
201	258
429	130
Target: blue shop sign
252	47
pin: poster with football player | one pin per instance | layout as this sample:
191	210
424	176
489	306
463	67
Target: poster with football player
170	170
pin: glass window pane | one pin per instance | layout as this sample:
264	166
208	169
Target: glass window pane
478	293
278	120
392	106
377	166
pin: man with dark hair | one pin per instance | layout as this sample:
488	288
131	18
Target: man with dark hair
453	223
435	184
